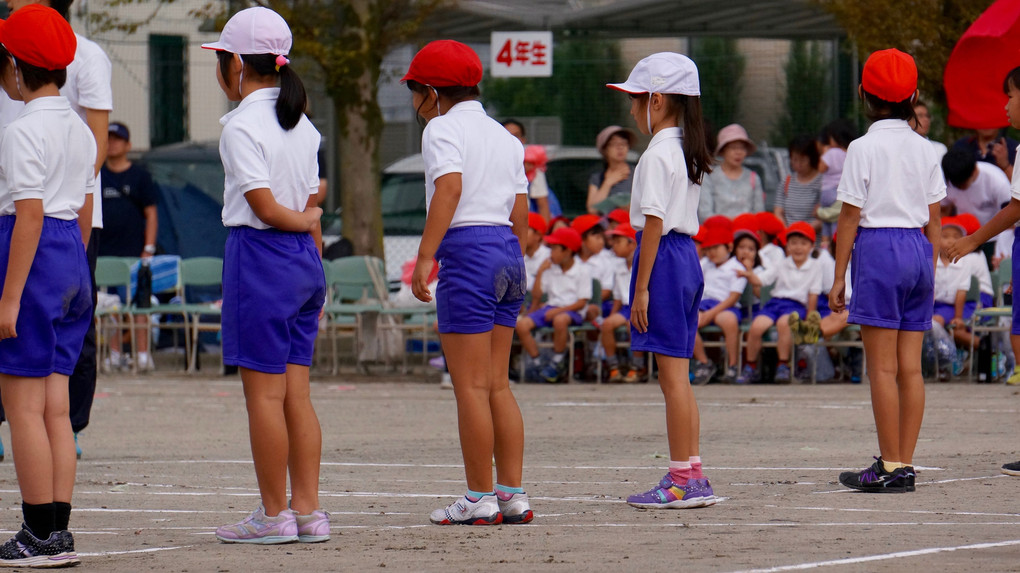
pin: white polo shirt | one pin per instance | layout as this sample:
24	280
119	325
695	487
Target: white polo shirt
792	282
491	162
602	267
621	282
47	153
892	174
984	197
771	255
722	280
661	187
828	269
565	289
977	267
950	279
531	263
257	153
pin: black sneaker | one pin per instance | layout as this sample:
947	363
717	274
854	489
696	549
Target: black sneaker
25	550
1012	469
876	480
703	372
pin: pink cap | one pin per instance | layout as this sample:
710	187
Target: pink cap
733	132
254	31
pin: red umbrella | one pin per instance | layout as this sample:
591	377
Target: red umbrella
986	52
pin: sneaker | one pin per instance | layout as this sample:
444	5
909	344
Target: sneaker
748	375
439	362
551	372
615	377
1014	378
262	529
731	374
77	448
783	373
1012	469
25	550
516	510
145	362
314	527
876	480
445	381
636	375
793	319
1	450
485	511
669	495
703	372
811	328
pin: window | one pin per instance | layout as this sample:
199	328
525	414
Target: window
167	85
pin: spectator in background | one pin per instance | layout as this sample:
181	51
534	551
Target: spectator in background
609	188
538	187
922	125
990	146
129	207
974	187
835	138
733	189
799	196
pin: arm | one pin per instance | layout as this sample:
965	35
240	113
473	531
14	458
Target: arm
709	315
536	289
812	302
437	222
933	230
961	300
98	121
519	219
24	243
543	209
84	219
151	226
595	196
849	220
1002	220
316	230
270	212
650	238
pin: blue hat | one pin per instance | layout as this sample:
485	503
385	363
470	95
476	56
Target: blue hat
120	130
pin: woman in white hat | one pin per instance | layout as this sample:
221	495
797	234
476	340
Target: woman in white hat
609	187
732	189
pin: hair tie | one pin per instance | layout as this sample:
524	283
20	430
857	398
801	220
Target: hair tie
281	61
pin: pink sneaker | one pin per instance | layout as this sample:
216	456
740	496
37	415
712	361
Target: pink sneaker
314	527
261	529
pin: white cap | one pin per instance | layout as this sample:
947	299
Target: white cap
663	73
254	31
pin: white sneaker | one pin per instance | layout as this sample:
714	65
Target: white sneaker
516	509
485	511
145	362
446	381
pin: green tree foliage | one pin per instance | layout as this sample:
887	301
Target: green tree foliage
806	103
576	92
721	69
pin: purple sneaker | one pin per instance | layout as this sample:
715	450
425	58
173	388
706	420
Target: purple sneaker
314	527
668	495
260	528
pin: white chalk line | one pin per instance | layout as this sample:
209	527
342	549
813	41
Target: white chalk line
132	551
886	510
886	556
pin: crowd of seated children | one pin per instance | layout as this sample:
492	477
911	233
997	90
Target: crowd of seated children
720	303
623	240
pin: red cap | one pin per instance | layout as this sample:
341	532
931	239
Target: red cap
699	237
970	222
718	221
620	216
954	222
746	224
536	154
890	75
566	237
584	222
39	36
769	223
801	228
445	63
716	236
624	230
536	222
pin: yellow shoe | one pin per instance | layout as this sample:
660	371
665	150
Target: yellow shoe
1014	378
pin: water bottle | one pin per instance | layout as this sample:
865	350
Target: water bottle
143	291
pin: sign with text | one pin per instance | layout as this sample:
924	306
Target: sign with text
521	54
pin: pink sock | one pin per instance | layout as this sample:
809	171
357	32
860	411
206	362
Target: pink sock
680	472
696	467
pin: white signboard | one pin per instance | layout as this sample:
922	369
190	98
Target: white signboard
521	54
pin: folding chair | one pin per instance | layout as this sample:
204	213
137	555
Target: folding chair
113	272
353	298
201	272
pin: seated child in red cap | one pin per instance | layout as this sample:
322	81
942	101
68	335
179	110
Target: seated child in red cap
720	303
770	228
598	260
624	242
535	251
566	285
47	165
952	282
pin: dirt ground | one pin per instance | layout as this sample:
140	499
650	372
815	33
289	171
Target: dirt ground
167	460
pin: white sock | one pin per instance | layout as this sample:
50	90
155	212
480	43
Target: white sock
558	357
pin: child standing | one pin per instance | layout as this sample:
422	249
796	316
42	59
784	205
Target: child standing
270	318
720	304
477	197
624	241
798	199
666	284
890	189
47	158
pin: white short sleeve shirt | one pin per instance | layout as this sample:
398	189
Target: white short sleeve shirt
258	153
722	280
984	197
491	162
539	187
621	282
950	279
977	267
47	153
771	255
566	288
532	262
661	187
892	174
793	282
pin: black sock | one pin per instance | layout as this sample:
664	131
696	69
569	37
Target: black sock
39	519
61	515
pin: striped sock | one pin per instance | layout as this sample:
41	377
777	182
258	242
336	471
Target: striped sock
505	492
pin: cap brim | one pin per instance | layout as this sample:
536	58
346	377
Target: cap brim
737	233
955	226
218	46
628	88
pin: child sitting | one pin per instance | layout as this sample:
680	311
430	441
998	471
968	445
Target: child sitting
720	303
770	228
798	282
535	252
952	281
624	242
977	265
600	262
568	288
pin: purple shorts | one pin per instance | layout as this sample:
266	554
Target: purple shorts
777	307
823	305
273	290
674	295
947	311
1016	281
482	281
538	317
56	305
893	279
709	304
624	311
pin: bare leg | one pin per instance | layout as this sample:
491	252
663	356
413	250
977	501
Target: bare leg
880	351
61	437
507	423
469	358
699	348
758	328
910	384
524	327
560	324
609	327
676	389
264	397
785	338
834	323
727	321
304	437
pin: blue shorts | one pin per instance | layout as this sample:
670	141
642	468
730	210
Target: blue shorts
893	279
987	301
538	317
709	304
624	311
56	305
674	295
273	290
947	311
482	281
823	305
1015	329
607	308
777	307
